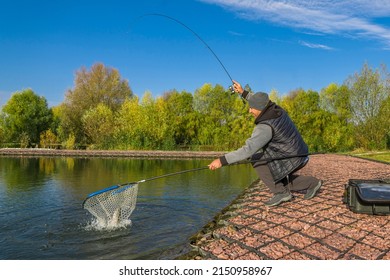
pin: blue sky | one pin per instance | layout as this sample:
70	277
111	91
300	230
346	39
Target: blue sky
281	45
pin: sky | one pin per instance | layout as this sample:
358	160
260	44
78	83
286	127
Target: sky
270	45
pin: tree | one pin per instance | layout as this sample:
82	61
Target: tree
218	112
338	131
210	104
100	85
25	116
2	135
304	109
181	116
337	100
369	92
57	115
48	139
129	125
145	124
241	124
385	120
99	124
156	131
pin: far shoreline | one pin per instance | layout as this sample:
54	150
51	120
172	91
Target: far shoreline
39	152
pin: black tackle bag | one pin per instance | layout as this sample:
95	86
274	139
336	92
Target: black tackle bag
368	196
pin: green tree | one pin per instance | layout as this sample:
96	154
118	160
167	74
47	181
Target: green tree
25	116
57	115
163	131
181	116
2	135
99	125
217	109
337	100
241	124
338	131
274	97
369	91
129	125
385	120
100	85
155	129
147	126
304	109
48	139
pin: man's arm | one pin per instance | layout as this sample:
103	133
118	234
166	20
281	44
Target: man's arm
261	135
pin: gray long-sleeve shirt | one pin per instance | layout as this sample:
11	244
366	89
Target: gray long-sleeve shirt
261	135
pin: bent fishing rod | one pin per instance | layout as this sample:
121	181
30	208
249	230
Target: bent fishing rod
198	37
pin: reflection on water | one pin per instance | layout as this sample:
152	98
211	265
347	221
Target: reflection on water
41	215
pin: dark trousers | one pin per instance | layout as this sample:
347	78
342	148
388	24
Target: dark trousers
293	183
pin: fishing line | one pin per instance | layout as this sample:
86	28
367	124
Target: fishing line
197	36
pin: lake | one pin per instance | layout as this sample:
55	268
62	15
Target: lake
41	214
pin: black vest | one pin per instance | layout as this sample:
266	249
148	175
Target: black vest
286	142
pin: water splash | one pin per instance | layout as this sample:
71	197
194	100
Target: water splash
101	225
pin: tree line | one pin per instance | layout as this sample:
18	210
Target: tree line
102	112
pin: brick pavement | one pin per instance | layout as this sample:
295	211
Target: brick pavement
319	228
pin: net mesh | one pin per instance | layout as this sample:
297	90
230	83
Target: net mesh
113	205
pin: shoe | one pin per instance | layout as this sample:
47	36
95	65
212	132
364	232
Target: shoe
278	198
312	191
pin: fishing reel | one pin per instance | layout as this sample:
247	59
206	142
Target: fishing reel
232	91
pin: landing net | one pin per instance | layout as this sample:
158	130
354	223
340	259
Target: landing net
112	206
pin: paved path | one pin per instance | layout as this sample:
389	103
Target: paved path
320	228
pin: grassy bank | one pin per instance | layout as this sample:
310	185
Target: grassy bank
381	156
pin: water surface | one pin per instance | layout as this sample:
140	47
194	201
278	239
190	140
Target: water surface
41	214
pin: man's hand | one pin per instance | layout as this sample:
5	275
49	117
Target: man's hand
215	164
237	87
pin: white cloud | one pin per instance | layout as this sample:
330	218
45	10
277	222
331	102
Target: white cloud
315	46
236	33
352	18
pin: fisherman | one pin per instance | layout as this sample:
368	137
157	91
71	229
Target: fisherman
274	137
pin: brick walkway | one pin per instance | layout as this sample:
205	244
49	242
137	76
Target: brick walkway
319	228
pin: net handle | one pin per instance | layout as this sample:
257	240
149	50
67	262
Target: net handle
171	174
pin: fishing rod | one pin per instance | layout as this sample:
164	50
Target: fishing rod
118	202
197	36
263	161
